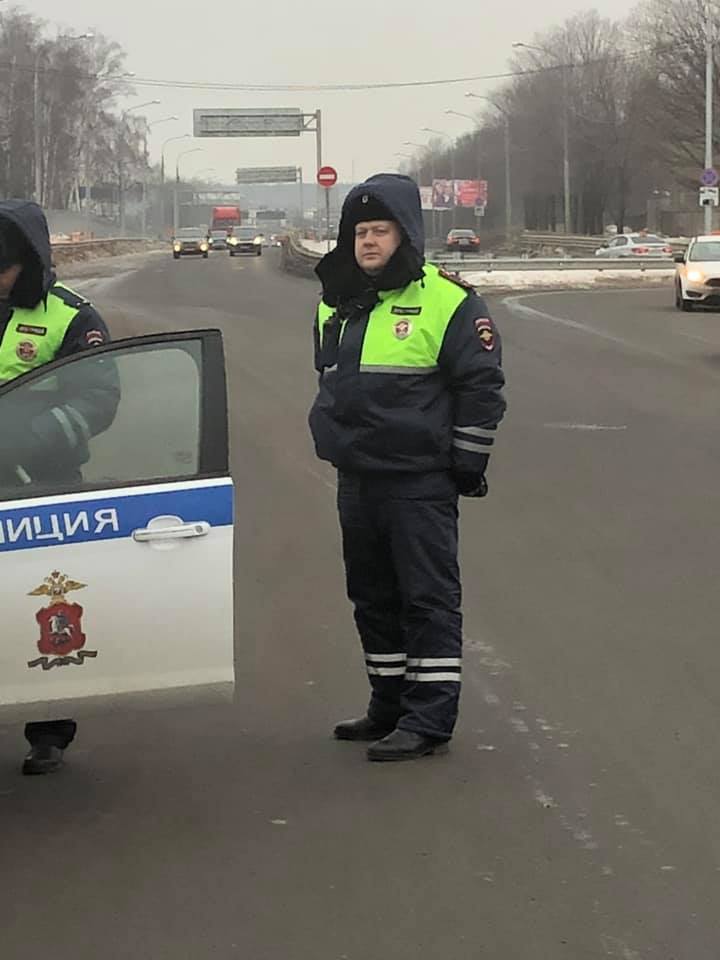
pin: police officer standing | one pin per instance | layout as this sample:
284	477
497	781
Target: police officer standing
410	397
40	321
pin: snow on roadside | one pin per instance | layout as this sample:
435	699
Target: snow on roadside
565	279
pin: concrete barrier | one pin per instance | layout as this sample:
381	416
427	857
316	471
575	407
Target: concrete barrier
69	252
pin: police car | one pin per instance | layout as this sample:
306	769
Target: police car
117	574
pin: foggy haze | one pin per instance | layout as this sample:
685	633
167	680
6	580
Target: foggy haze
314	42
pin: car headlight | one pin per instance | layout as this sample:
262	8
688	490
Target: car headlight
177	248
232	241
257	241
695	276
203	247
211	241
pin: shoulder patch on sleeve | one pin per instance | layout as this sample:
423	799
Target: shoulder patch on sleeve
456	279
486	332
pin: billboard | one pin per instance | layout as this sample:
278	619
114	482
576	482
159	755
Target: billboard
250	122
426	197
443	194
447	194
266	175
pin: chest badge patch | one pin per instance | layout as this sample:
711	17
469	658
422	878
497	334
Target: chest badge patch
62	640
26	350
403	329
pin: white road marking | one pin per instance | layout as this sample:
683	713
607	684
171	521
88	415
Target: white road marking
591	427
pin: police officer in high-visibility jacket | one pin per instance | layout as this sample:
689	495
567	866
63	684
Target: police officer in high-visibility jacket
409	401
40	321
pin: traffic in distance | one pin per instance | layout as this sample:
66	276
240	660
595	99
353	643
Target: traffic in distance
225	233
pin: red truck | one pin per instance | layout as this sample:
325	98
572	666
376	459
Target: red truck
225	218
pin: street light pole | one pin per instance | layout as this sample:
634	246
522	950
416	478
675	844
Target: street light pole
426	148
163	218
508	169
447	136
467	116
176	198
709	71
149	126
121	169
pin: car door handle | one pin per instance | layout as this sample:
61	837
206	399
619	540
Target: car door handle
183	531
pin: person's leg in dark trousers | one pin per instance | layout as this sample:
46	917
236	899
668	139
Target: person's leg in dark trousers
47	741
424	535
373	589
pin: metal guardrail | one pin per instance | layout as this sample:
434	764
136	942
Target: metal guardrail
503	264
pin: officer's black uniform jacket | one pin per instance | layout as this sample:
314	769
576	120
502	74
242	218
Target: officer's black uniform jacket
368	419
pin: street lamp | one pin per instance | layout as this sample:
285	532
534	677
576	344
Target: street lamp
519	45
121	169
426	148
149	126
467	116
446	136
508	185
176	198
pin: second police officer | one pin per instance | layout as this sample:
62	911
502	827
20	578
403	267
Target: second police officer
410	397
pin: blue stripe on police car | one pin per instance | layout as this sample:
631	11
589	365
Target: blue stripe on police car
112	516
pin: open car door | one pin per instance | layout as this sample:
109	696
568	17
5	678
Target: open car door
116	564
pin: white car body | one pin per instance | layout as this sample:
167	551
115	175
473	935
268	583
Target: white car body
118	585
636	245
697	277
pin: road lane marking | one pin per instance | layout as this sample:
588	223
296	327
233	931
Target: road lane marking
515	306
584	426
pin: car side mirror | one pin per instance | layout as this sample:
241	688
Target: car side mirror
604	245
679	258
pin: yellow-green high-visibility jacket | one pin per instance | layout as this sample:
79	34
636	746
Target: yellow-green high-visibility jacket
413	384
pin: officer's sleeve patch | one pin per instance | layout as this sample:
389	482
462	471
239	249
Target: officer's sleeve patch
94	338
486	332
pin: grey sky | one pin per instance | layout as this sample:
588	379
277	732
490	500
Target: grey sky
315	41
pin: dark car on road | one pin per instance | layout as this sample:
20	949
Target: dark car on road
218	239
245	240
462	240
190	241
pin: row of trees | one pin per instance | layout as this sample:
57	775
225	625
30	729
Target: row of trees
60	129
630	98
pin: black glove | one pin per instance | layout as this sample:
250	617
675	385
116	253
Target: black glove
471	484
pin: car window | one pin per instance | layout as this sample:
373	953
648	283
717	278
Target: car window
104	421
708	250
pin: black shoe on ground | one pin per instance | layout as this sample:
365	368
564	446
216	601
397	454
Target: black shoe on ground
362	729
43	758
405	745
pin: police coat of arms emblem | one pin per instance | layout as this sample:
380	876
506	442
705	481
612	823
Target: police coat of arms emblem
62	640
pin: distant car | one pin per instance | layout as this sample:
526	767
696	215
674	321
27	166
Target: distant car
218	240
636	245
462	240
190	241
697	275
245	240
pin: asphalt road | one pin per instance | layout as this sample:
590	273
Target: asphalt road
576	814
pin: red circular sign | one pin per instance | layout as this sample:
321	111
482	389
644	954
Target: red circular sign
327	177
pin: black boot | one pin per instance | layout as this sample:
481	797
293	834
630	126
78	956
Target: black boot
405	745
362	729
43	758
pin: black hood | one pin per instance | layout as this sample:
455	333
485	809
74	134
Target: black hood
341	277
38	275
